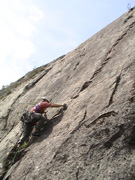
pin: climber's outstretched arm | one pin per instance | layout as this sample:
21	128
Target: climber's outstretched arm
56	105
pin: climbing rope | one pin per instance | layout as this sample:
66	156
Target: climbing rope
15	156
24	145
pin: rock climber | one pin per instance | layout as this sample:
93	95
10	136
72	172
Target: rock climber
35	119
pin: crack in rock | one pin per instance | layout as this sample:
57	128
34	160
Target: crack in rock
76	65
7	132
118	78
77	174
107	57
29	86
114	137
7	116
101	66
74	130
129	17
85	85
107	114
80	123
108	54
10	110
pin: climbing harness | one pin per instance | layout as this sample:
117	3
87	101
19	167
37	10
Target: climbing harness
38	110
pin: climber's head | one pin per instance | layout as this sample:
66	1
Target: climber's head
45	99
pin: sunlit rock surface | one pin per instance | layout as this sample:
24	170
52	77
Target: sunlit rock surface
94	139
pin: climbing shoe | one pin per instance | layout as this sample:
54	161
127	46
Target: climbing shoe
37	133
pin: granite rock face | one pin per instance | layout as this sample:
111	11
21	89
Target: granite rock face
94	139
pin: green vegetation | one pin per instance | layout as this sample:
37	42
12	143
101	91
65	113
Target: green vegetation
6	90
35	71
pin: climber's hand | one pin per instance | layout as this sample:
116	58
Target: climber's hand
65	107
